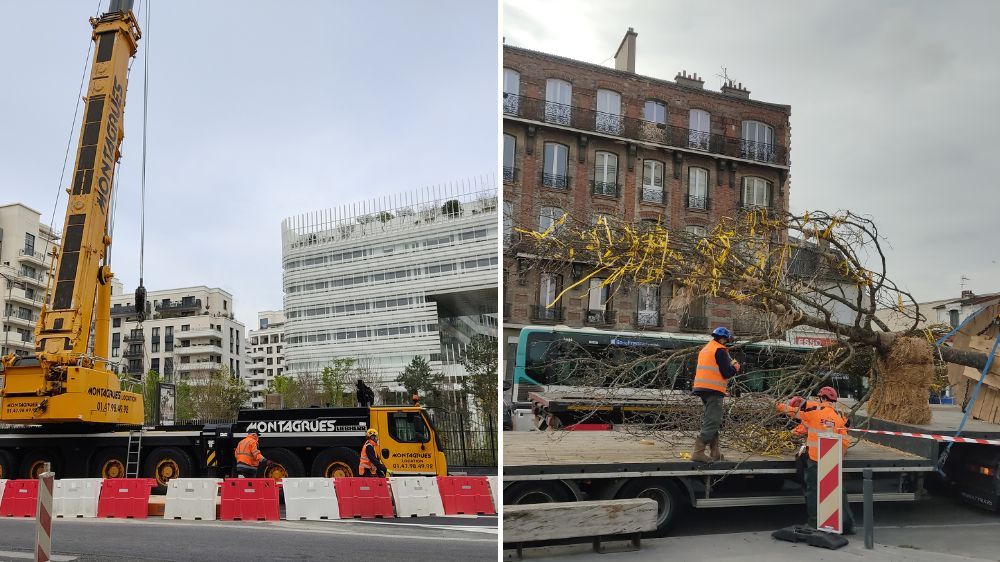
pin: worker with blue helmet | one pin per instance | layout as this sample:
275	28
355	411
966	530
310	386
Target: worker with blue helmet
711	384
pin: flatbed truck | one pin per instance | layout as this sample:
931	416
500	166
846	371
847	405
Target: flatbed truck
322	442
556	466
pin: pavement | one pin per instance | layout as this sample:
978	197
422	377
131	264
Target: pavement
741	546
158	540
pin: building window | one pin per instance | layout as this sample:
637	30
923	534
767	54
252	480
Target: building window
116	323
555	165
155	346
606	174
655	112
185	327
558	94
29	244
696	230
511	91
597	303
116	342
756	193
652	181
697	188
168	366
154	364
548	217
953	318
648	312
758	141
168	339
609	112
225	304
509	144
549	285
699	129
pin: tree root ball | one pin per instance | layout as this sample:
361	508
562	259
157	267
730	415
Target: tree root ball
901	391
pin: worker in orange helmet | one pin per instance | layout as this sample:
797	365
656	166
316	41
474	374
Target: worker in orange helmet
711	383
819	417
371	464
248	455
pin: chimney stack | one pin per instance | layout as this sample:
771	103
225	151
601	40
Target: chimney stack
736	90
625	56
691	81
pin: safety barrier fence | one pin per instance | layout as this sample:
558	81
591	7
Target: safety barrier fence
258	499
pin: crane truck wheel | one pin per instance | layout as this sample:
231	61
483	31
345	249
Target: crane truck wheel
522	493
669	501
6	466
108	463
33	463
336	462
166	463
284	463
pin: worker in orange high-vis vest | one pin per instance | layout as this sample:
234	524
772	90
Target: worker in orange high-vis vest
711	382
819	417
371	464
248	455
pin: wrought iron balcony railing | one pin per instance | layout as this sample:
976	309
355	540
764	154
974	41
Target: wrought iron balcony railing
540	313
557	181
31	254
694	323
511	174
599	317
134	338
639	129
608	189
648	319
653	194
749	326
697	202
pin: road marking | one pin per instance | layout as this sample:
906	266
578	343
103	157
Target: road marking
471	528
29	556
937	526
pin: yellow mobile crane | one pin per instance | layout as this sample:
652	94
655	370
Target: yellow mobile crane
65	381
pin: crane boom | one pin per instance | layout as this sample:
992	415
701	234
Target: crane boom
64	381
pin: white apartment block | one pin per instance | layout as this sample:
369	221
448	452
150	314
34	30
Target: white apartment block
386	280
266	358
188	333
25	256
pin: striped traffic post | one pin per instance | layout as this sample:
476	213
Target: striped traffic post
43	517
830	480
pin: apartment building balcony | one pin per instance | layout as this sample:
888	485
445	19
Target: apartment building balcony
36	279
553	315
199	333
648	319
134	337
20	297
654	194
554	181
22	320
697	202
18	342
198	349
132	352
599	317
631	128
176	307
33	257
511	174
118	310
605	188
197	366
691	323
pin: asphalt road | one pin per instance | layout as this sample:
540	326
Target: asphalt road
101	540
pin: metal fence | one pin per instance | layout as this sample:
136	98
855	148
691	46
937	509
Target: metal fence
468	440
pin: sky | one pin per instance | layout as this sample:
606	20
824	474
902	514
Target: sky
893	106
257	111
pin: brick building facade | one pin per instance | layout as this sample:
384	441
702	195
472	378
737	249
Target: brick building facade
589	140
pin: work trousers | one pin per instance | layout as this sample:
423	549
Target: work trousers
811	489
246	471
712	418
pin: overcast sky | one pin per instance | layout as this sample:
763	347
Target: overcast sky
257	111
894	105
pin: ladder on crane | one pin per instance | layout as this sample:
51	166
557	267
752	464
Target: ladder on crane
133	454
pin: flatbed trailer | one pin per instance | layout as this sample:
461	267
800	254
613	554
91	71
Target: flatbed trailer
322	442
591	465
972	470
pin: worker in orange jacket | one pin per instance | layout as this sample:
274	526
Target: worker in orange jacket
819	417
371	463
711	384
248	455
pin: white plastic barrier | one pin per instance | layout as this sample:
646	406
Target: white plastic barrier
310	498
495	490
76	497
416	496
191	499
3	483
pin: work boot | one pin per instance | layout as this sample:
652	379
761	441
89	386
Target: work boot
698	454
714	449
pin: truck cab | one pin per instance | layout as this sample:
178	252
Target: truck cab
409	444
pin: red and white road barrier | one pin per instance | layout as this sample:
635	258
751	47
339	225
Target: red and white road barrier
933	436
43	518
830	480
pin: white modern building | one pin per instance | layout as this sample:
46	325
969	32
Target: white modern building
26	247
266	358
188	333
387	280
